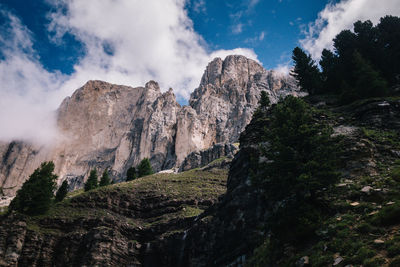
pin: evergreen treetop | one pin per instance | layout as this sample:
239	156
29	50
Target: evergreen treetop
91	182
131	174
144	168
105	180
36	193
62	191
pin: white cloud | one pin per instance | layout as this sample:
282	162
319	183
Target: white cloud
145	40
256	39
28	94
283	69
199	6
252	4
337	17
237	28
262	36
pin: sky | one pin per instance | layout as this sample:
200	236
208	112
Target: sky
49	48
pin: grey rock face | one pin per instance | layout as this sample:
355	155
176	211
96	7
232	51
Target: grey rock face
201	158
103	125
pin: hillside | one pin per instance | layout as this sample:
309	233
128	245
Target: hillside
196	218
125	224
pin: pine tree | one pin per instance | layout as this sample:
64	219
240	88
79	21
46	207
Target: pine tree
302	159
91	182
36	193
368	82
264	100
105	180
330	72
306	72
62	191
144	168
131	174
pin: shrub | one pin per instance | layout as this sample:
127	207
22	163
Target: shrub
131	174
387	216
395	262
91	182
62	191
395	174
105	180
144	168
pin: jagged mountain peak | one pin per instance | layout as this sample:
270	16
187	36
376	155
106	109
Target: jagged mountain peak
116	126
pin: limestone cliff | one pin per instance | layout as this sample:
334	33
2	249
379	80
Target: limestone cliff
104	125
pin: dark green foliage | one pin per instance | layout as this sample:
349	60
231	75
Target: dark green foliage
387	216
388	39
302	154
263	105
144	168
91	182
36	193
395	174
368	82
264	100
306	71
364	63
330	75
62	191
302	161
131	174
105	180
393	250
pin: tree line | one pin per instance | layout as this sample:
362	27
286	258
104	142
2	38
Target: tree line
364	63
37	193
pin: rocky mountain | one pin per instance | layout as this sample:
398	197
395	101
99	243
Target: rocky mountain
206	217
103	125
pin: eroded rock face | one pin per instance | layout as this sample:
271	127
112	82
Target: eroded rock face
103	125
202	158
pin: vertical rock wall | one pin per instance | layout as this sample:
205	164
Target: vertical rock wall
103	125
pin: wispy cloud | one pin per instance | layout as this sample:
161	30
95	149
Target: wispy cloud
238	28
252	4
199	6
28	92
256	39
336	17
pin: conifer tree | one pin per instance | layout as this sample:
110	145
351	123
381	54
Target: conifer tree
306	71
36	193
91	182
144	168
264	100
368	82
105	180
131	174
62	191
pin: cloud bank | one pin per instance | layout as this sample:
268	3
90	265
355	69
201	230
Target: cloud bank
27	90
126	42
340	16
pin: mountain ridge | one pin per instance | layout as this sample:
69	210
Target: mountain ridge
116	126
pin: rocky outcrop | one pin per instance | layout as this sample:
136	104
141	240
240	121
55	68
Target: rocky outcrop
111	126
121	225
202	158
227	233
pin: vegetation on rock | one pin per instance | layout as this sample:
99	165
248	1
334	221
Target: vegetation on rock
92	181
301	158
131	174
36	193
364	63
144	168
104	180
62	191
